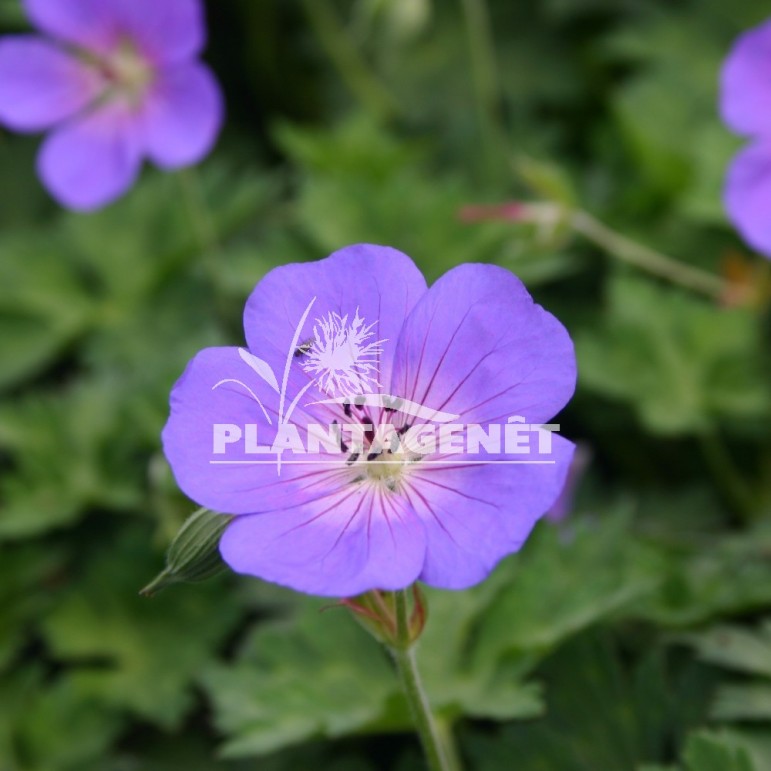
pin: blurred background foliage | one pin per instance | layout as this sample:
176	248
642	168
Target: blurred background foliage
633	636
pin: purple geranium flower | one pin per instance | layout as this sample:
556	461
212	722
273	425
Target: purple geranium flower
746	109
473	350
117	81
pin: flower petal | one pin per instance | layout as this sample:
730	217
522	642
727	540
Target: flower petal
339	546
383	284
748	195
92	160
164	30
41	85
182	115
477	346
746	83
90	24
475	515
220	389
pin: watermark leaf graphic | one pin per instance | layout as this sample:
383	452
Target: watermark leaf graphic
262	368
249	390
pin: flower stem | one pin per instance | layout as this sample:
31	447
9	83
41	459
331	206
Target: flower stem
348	60
727	475
629	251
484	73
437	757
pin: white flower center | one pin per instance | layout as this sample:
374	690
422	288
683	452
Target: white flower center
387	470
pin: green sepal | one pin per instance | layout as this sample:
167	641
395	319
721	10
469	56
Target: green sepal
194	553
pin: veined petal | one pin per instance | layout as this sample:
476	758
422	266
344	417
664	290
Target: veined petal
182	115
381	284
475	515
476	345
92	160
214	459
40	84
745	96
748	195
336	546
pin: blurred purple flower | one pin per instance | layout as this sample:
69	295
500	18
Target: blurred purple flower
118	81
474	346
746	108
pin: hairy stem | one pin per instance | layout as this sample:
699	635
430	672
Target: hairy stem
437	757
629	251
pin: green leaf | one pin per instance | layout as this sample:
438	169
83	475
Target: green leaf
683	364
607	708
70	456
148	652
319	674
713	575
738	648
43	306
23	571
742	702
541	606
711	752
48	726
360	183
667	112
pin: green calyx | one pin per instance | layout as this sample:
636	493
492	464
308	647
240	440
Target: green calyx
194	553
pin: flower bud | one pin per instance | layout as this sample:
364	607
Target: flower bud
194	553
376	611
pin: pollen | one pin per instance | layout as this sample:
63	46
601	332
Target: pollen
385	470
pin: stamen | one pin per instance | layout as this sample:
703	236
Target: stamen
352	459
